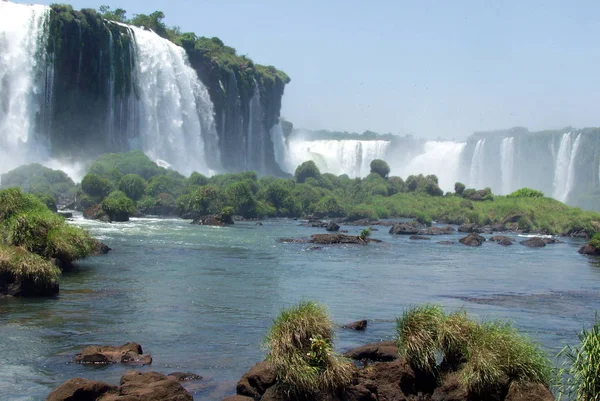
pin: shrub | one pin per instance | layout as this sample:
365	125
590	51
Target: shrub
395	185
197	179
240	197
366	233
526	193
25	266
118	206
361	212
163	184
133	186
308	169
203	201
329	206
380	167
459	188
96	186
581	377
300	351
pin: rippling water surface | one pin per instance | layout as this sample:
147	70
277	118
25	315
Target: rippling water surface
201	299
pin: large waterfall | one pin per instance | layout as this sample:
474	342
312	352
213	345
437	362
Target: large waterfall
507	164
477	170
352	157
175	111
564	171
25	83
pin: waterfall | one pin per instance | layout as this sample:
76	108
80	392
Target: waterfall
565	166
350	157
477	166
256	139
280	149
24	83
176	115
507	164
440	158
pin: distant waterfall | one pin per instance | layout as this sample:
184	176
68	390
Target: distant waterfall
25	84
257	137
282	157
350	157
477	166
507	164
175	110
440	158
564	171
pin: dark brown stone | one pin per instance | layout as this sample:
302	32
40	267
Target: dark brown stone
184	376
359	325
418	237
411	228
78	389
256	381
383	351
149	386
472	239
528	392
332	226
589	249
535	242
130	353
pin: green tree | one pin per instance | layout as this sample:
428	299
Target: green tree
133	185
380	167
96	186
308	169
459	188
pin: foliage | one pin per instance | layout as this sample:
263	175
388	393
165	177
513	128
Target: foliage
133	162
26	266
526	193
205	200
365	233
459	188
581	374
35	178
308	169
329	207
133	186
117	203
164	184
96	186
301	353
380	167
595	241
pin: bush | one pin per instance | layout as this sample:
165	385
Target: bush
240	197
395	185
133	186
459	188
308	169
526	193
380	167
96	186
361	212
118	206
365	233
329	207
203	201
197	179
301	352
35	178
163	184
24	266
581	377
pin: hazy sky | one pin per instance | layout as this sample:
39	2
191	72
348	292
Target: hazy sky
431	68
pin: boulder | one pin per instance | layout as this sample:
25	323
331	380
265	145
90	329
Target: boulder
238	398
467	228
446	242
129	353
256	381
383	351
359	325
589	249
213	220
534	242
450	389
332	226
148	386
411	228
528	392
437	230
472	239
96	213
418	237
78	389
184	376
502	240
328	239
100	248
66	215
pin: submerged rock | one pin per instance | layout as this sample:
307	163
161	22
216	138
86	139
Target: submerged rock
411	228
418	237
213	220
328	239
535	242
437	230
502	240
382	351
473	239
184	376
359	325
332	226
446	242
130	353
589	249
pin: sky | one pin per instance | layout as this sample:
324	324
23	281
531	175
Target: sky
427	68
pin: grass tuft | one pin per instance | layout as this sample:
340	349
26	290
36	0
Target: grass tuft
301	351
26	266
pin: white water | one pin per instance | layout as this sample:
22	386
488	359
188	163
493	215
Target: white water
280	149
256	137
338	157
23	86
476	178
441	158
507	164
564	171
176	114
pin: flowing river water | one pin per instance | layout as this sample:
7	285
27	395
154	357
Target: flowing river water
201	299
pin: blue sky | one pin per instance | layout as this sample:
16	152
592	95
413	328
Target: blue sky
430	68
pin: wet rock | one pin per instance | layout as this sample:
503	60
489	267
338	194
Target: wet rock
100	248
329	239
534	242
66	215
129	353
498	227
256	381
96	213
359	325
502	240
411	228
367	222
149	386
78	389
213	220
528	392
446	242
467	228
437	230
259	224
418	237
589	249
383	351
184	376
473	239
451	389
238	398
332	226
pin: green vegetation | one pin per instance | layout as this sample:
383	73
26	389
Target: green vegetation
486	355
118	206
581	377
39	180
380	167
526	193
300	351
25	266
133	186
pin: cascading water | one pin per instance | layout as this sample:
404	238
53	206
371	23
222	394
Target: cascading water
440	158
280	149
256	139
350	157
24	89
476	178
507	164
175	111
564	171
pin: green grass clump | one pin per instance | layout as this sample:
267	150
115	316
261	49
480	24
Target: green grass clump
582	376
300	351
486	356
26	266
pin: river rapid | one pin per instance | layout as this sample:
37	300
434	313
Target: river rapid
201	299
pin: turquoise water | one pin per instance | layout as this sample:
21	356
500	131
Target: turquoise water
201	299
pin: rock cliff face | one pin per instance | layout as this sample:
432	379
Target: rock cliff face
96	86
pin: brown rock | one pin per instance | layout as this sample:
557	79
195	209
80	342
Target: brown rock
213	220
238	398
528	392
446	242
535	242
329	239
332	226
130	353
149	386
589	249
502	240
256	381
184	376
78	389
411	228
472	239
418	237
382	351
359	325
451	389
